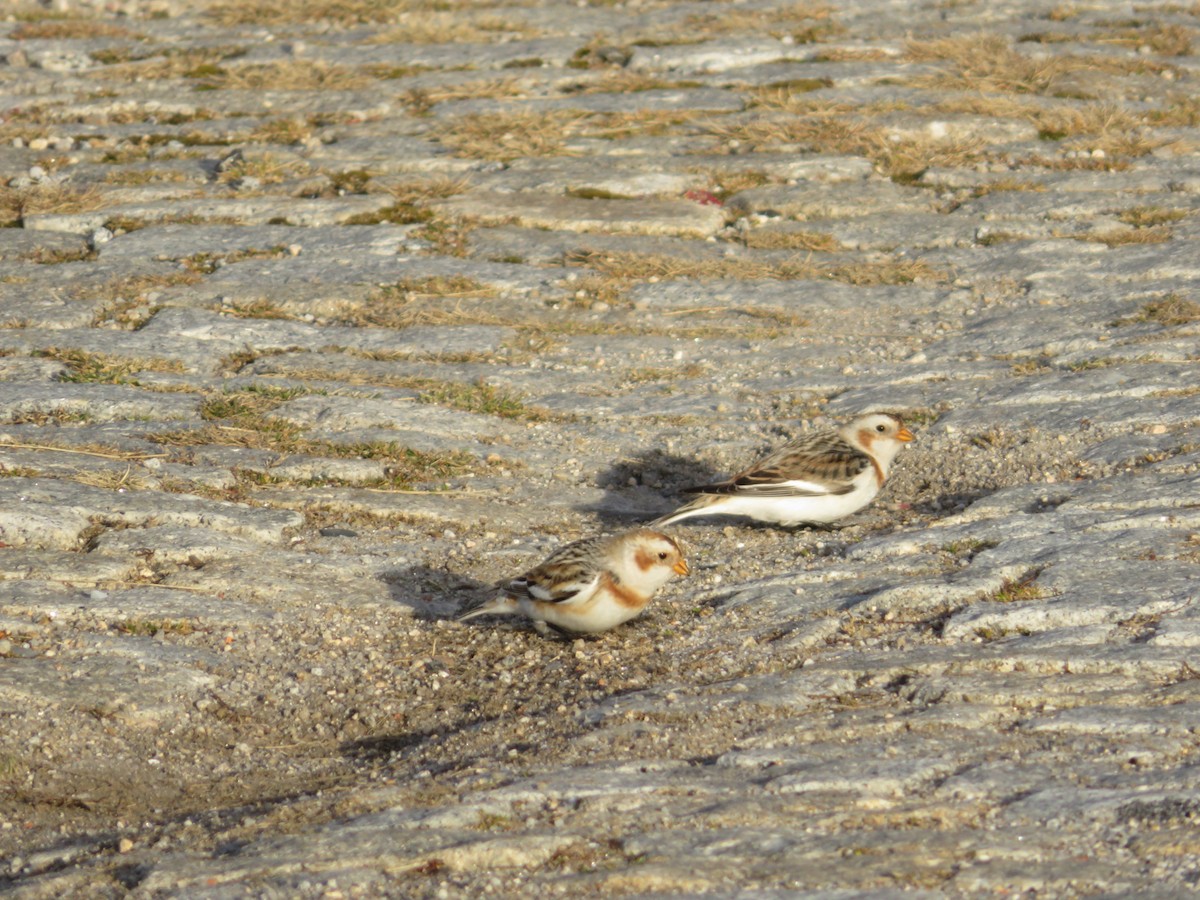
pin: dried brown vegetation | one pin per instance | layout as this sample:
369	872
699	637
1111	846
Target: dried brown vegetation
17	203
631	266
343	12
989	63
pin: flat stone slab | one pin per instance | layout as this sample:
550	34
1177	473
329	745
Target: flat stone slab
95	403
680	218
41	513
243	211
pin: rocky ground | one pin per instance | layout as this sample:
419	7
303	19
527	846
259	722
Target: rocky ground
320	317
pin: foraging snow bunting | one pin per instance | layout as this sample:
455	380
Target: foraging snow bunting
816	479
591	585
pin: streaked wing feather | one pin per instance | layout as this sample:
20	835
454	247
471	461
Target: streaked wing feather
556	589
567	572
770	487
810	466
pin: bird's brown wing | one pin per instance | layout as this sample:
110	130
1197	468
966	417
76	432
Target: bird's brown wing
810	466
567	572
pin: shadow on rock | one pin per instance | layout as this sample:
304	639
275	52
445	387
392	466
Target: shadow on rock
646	486
435	593
942	505
382	746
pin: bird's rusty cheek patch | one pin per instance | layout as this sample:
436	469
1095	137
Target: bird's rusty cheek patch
865	440
623	595
644	560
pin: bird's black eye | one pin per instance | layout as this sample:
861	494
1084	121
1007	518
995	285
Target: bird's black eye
881	428
662	555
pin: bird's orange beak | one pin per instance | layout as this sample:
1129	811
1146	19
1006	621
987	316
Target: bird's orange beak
681	567
904	434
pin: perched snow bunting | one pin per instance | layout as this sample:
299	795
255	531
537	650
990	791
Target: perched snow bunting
815	479
593	584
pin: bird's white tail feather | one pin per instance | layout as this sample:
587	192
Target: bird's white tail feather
697	507
498	606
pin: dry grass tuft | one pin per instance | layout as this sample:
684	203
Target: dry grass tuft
1149	216
17	203
623	81
411	207
1019	590
341	12
1105	126
44	256
243	419
1007	184
421	100
629	266
1081	163
260	308
455	27
1172	309
988	63
507	136
266	167
1099	126
100	368
110	479
56	415
138	177
125	299
791	240
68	29
726	183
131	286
998	106
615	126
246	407
483	398
413	193
173	63
449	236
1156	234
207	263
804	23
1165	40
596	291
905	161
853	54
1177	111
422	301
404	467
830	128
286	76
281	131
416	21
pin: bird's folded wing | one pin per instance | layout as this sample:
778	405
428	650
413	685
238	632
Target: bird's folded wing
771	487
557	583
810	467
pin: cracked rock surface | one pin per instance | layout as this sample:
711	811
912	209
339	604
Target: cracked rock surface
317	319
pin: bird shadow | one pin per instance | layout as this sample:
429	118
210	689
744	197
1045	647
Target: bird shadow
382	746
947	503
437	594
647	485
434	594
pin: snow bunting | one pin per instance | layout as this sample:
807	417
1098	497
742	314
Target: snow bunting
816	479
591	585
